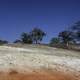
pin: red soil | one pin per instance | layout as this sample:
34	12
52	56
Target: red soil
41	75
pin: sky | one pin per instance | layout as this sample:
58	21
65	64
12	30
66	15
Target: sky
52	16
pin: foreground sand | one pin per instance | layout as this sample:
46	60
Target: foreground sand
38	75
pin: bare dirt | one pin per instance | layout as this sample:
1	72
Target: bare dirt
38	75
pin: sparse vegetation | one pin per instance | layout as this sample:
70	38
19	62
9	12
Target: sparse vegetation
76	31
3	42
26	38
54	40
17	41
64	39
67	38
37	35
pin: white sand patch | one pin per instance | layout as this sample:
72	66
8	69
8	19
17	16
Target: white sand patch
11	57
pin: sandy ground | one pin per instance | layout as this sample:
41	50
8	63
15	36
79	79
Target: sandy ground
33	63
38	75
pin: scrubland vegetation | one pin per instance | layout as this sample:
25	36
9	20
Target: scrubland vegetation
68	39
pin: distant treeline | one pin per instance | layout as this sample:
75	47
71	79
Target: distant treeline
66	37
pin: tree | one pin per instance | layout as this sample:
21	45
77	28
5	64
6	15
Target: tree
66	37
76	31
54	40
3	42
76	26
17	41
37	35
26	38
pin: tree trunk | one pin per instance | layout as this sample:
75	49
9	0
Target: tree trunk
67	44
36	41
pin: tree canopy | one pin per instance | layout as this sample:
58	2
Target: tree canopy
37	35
76	31
66	37
54	40
26	38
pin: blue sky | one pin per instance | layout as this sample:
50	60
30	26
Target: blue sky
52	16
